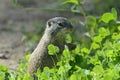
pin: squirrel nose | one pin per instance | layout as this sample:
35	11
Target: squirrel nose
68	25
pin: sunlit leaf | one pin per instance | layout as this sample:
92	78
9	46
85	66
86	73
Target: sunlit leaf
114	12
66	53
27	57
107	74
68	38
52	49
91	21
107	17
98	69
3	68
95	46
85	50
27	77
2	76
77	49
109	53
116	36
103	32
97	39
73	77
119	28
71	1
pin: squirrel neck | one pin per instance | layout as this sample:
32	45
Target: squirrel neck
39	56
44	42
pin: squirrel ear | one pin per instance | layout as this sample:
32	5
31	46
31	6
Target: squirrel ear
49	23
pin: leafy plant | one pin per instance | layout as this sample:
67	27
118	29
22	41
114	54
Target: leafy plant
98	62
96	56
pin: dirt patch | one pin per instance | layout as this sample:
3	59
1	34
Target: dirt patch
11	45
11	48
12	20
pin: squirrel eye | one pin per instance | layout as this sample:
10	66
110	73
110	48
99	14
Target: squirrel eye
61	24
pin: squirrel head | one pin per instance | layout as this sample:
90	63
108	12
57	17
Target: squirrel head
57	24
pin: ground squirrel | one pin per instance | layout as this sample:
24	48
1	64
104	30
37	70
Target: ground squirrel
40	57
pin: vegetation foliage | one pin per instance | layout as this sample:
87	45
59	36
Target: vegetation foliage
97	60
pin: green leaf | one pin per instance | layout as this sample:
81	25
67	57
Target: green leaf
52	49
75	9
13	76
78	76
109	53
87	72
38	73
103	32
68	38
95	45
27	57
109	74
106	17
2	76
116	36
85	50
71	1
3	68
77	49
119	27
73	77
27	77
114	12
97	39
98	69
66	53
91	21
